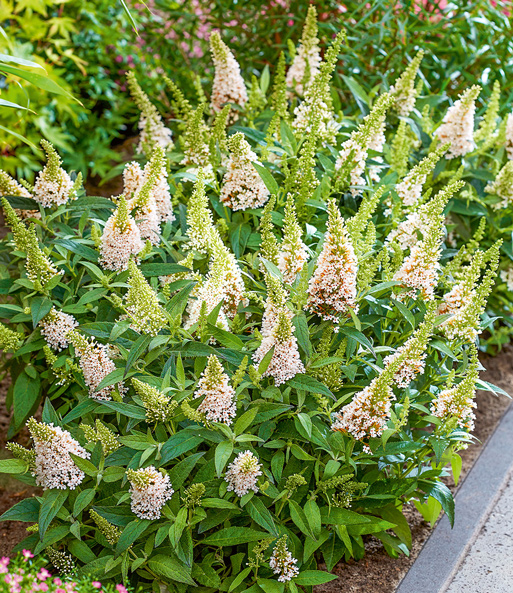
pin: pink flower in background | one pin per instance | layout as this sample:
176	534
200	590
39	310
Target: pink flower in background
43	574
27	554
121	589
96	585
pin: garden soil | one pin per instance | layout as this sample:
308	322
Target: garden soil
377	572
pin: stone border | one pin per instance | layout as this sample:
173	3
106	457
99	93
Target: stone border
446	548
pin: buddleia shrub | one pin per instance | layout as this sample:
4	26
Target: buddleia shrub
259	353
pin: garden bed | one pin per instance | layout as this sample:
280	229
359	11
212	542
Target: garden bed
377	572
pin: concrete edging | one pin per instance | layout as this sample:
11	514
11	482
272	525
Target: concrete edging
446	548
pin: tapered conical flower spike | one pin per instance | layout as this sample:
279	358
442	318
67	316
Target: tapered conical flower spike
457	127
142	305
502	186
102	434
218	144
218	403
419	271
282	563
180	105
149	491
332	288
353	154
410	188
275	302
201	231
243	187
223	283
9	340
279	95
40	270
457	403
317	105
53	465
366	416
53	185
486	132
95	364
269	249
413	351
196	139
285	362
228	84
465	324
463	292
242	474
152	129
159	407
147	214
293	253
133	179
308	56
10	187
357	225
404	91
108	530
121	239
55	328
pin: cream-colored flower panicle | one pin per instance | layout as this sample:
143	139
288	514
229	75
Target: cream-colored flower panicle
133	179
369	411
285	362
457	127
242	474
153	132
275	302
366	416
121	239
419	271
223	282
242	187
53	185
502	186
142	304
55	328
228	84
307	60
53	465
40	269
282	563
95	365
467	300
10	187
457	403
404	90
218	403
332	288
410	188
149	492
293	252
413	352
369	135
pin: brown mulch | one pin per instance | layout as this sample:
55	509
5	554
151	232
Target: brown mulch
377	572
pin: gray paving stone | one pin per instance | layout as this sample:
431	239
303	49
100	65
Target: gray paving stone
446	550
488	565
